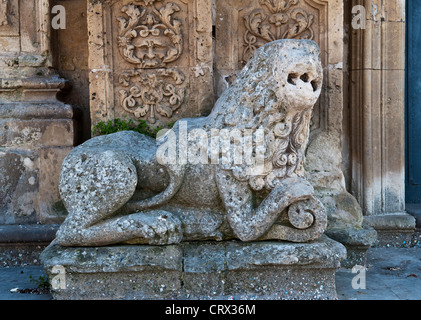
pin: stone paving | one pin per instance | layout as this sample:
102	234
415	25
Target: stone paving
391	274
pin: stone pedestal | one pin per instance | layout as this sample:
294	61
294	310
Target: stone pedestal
205	270
356	241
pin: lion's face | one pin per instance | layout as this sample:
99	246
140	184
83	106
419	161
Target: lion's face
298	74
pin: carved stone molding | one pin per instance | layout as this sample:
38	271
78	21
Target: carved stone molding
4	9
150	59
36	128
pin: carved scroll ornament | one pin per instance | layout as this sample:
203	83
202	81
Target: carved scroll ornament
151	93
150	37
281	22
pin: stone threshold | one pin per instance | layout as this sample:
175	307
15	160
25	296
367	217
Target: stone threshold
30	233
196	270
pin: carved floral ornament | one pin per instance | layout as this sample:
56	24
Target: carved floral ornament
151	38
281	22
152	92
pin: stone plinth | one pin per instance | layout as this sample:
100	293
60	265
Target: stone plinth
36	134
205	270
36	130
394	230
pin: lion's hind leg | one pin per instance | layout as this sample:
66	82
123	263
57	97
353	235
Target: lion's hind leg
94	183
155	227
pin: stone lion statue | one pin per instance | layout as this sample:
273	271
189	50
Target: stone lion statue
130	188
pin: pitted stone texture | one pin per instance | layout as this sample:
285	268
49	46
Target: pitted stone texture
198	270
102	180
90	182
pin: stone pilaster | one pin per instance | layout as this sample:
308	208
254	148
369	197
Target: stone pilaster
377	106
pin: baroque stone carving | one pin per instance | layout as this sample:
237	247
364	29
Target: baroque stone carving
151	38
281	22
4	6
127	188
152	92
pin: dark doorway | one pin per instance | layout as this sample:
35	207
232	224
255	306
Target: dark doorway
413	107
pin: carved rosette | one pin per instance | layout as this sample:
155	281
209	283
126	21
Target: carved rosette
150	38
276	19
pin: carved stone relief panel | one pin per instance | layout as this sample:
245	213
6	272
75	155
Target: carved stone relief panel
275	20
256	22
150	59
9	18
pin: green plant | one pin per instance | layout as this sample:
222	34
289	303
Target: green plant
116	125
41	283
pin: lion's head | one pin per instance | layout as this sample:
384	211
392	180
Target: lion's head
276	92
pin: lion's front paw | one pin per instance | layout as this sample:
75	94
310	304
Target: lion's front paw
167	229
156	227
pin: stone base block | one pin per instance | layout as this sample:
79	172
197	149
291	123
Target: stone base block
196	270
393	230
356	241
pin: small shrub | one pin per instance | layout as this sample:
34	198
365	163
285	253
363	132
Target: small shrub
116	125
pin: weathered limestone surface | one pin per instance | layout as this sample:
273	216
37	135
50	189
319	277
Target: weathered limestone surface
196	270
240	28
254	23
274	93
377	104
36	130
120	190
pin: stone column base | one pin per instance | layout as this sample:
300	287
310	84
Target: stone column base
196	270
393	230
